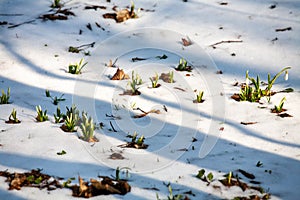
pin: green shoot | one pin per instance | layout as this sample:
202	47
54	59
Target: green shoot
200	173
13	117
210	177
70	123
5	97
77	67
229	178
135	80
154	81
41	116
134	136
87	127
272	81
56	99
74	112
58	117
200	97
183	66
254	94
279	108
56	4
140	141
171	77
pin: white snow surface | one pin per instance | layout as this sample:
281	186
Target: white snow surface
34	57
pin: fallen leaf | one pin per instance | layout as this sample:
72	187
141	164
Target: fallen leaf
186	42
120	75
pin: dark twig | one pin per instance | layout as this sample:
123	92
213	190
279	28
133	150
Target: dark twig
112	127
283	29
27	22
225	41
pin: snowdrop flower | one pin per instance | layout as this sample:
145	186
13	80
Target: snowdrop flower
286	76
247	78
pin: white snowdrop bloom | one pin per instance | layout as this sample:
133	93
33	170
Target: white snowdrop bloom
286	76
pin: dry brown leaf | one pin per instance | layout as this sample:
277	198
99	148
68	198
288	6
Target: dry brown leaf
186	42
120	75
82	187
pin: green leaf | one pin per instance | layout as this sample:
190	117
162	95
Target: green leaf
63	152
210	176
200	173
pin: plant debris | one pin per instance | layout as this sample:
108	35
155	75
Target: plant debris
116	156
30	179
58	15
121	15
138	59
95	7
104	187
178	88
283	29
186	42
12	121
145	113
225	41
246	174
248	123
283	115
137	143
166	77
63	152
80	48
119	75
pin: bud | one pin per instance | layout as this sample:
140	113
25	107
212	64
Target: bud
247	78
286	76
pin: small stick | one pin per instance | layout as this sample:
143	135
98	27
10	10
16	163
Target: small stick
112	127
225	41
84	45
283	29
27	22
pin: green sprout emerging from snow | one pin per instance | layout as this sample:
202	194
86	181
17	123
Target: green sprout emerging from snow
41	116
254	94
87	127
5	97
154	81
135	81
279	108
13	117
55	99
183	66
77	67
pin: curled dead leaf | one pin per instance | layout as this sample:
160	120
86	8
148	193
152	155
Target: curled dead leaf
120	75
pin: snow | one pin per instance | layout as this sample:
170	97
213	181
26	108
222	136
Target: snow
34	57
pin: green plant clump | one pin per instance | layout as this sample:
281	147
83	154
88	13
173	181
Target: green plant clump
13	117
70	123
4	99
87	127
77	67
154	81
183	66
41	116
135	81
254	94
